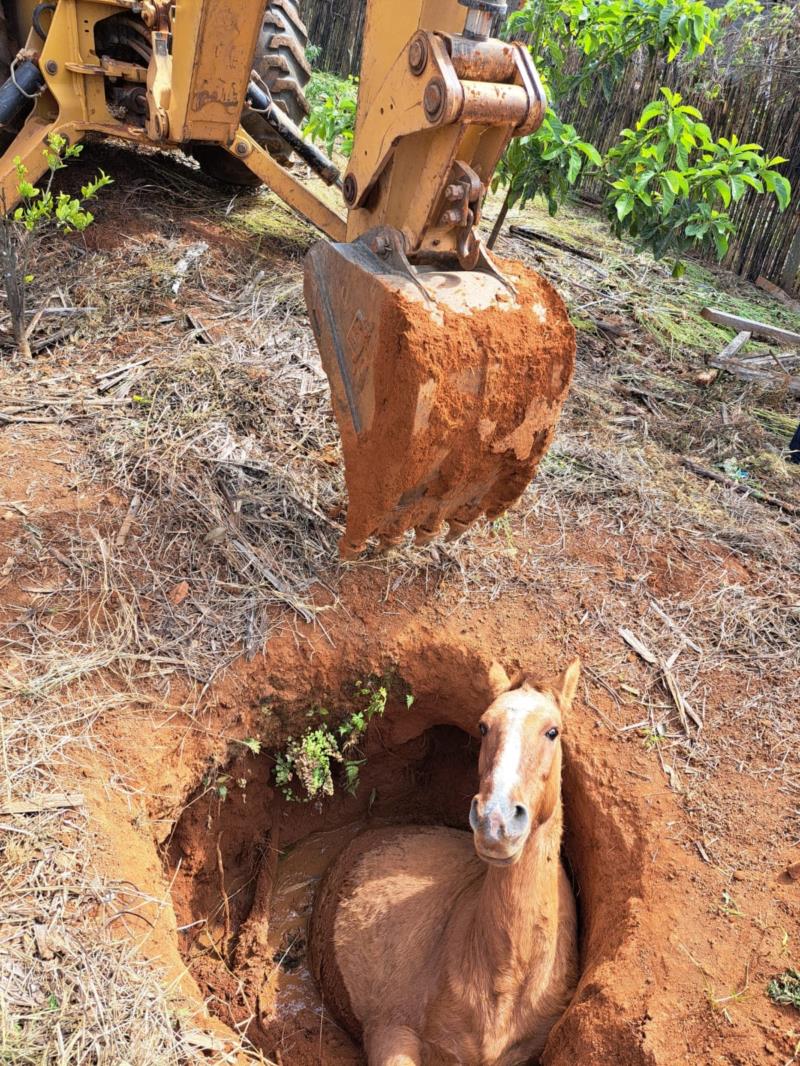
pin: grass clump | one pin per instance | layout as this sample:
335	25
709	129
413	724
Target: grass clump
305	769
785	989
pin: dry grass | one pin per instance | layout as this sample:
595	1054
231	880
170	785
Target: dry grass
71	989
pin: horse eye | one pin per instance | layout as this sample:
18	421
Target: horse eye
551	734
483	728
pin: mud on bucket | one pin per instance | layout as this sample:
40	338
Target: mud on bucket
446	385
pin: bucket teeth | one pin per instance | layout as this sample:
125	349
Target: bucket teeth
446	388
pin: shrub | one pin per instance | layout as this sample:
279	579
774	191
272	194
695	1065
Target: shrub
333	111
40	212
671	184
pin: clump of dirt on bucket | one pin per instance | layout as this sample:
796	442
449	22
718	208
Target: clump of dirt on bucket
459	408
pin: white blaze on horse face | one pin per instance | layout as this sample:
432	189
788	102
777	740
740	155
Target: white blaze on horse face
517	706
507	767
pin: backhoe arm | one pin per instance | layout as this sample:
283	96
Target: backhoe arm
447	369
447	372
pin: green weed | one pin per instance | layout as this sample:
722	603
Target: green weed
784	989
333	111
308	766
653	738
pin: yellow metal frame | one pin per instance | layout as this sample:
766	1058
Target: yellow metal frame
403	159
420	170
196	92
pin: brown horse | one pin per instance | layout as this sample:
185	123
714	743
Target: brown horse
433	954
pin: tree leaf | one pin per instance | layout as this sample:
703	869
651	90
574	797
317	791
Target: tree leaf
753	182
624	206
723	190
677	182
656	107
574	168
667	195
591	153
783	191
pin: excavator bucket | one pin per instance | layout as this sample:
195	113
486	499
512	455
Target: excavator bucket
446	384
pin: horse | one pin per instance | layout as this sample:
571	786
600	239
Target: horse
435	949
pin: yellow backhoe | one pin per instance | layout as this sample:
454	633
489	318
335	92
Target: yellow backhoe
448	368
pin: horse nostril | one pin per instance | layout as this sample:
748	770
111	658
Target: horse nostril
521	814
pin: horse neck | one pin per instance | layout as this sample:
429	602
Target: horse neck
517	906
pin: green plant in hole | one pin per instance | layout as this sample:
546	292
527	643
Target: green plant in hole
217	781
41	213
306	768
333	111
784	989
307	761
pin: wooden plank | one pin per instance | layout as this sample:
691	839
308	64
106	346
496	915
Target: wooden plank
732	347
760	329
769	378
777	292
785	360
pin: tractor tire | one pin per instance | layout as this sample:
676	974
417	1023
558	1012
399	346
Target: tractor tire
281	63
281	58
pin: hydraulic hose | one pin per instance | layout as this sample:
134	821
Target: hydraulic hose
263	105
36	18
26	81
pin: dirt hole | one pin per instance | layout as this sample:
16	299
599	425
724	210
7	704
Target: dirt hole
243	863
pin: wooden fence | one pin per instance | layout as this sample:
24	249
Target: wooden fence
337	28
760	102
758	99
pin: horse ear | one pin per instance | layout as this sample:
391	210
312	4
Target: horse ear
567	684
499	681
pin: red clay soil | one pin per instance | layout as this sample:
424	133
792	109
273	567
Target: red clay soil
659	957
670	975
456	413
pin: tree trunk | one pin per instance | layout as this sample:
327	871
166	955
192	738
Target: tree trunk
498	224
21	337
14	259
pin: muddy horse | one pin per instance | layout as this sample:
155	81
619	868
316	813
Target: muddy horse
435	951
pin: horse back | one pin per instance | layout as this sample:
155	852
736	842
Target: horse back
379	915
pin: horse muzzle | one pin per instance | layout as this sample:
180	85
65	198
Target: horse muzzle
500	829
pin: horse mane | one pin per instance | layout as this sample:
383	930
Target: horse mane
524	679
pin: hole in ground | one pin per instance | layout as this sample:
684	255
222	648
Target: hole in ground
247	948
244	863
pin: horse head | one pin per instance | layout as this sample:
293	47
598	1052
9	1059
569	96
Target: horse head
520	765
